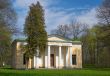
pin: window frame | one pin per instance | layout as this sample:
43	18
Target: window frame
74	59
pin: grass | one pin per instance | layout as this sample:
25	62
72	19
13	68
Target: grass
54	72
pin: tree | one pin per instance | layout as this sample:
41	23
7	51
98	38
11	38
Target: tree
100	37
104	13
103	46
34	29
5	42
8	19
76	29
90	42
7	24
62	30
104	37
73	31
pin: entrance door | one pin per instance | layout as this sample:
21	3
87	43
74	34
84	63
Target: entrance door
52	60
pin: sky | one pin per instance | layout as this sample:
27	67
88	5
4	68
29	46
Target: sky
59	12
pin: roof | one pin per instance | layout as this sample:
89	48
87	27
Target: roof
58	36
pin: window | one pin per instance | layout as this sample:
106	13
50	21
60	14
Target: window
24	59
73	59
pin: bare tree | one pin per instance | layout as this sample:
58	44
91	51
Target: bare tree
62	30
104	13
76	29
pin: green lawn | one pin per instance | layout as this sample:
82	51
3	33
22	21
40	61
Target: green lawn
44	72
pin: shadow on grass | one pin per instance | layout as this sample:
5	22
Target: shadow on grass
16	74
97	69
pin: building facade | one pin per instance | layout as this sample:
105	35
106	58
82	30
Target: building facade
59	53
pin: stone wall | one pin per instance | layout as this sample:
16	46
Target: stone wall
17	57
77	50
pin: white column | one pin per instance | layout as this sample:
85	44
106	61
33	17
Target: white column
71	56
37	59
48	56
37	62
57	57
59	60
67	56
34	62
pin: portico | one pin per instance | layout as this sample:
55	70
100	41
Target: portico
60	56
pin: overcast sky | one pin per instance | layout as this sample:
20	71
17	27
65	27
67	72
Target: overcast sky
60	11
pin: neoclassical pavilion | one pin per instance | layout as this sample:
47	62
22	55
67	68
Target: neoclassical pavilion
60	53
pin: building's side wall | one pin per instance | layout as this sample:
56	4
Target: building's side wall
77	50
19	57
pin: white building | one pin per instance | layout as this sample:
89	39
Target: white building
59	53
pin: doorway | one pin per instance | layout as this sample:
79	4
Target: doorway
52	60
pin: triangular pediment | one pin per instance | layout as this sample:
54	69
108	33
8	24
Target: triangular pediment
56	38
